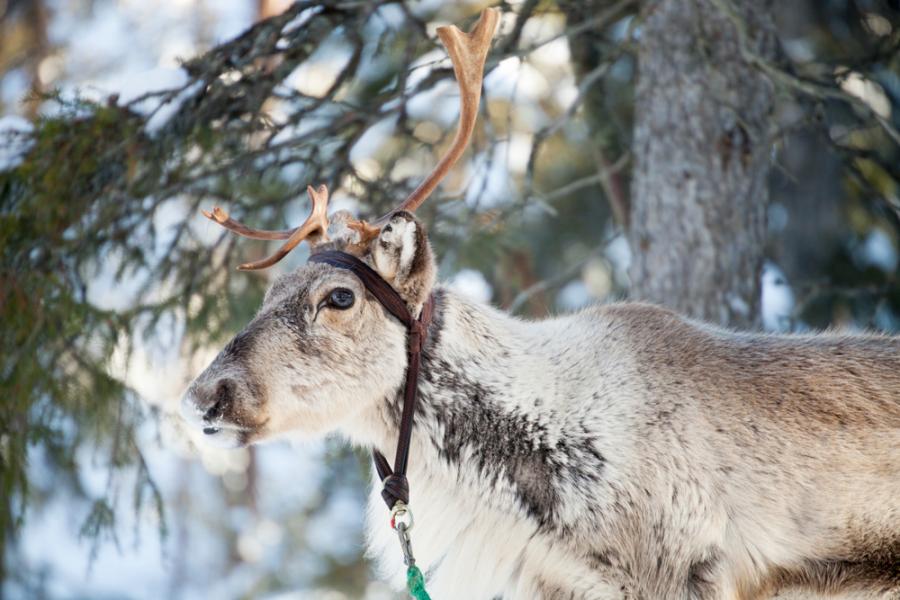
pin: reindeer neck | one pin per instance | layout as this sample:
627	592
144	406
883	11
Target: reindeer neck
486	392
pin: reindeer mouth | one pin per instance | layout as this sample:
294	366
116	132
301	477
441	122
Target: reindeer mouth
217	429
227	436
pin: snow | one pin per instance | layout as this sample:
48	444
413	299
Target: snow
301	19
516	152
390	15
878	251
777	299
368	146
133	47
170	107
13	87
315	76
618	252
439	103
517	81
132	86
472	284
489	186
142	565
15	141
574	295
422	67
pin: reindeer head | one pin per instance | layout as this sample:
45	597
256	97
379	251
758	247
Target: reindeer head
322	349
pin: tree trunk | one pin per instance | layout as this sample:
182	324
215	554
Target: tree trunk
701	159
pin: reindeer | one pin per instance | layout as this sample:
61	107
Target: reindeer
621	452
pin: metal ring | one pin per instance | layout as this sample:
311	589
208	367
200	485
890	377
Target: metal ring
401	514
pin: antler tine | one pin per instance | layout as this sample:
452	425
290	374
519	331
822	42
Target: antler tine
468	52
316	224
314	229
221	217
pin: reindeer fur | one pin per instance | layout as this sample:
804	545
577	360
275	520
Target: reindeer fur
620	452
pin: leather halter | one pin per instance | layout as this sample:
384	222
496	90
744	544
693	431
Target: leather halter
395	487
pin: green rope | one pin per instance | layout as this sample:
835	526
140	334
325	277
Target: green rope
415	583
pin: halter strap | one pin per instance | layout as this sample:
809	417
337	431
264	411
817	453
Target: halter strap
395	487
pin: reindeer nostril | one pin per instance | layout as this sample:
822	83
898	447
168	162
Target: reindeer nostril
223	396
214	412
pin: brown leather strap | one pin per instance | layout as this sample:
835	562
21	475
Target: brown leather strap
395	487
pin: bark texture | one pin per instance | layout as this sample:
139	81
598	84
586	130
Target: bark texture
701	159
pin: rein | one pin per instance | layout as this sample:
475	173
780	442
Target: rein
394	485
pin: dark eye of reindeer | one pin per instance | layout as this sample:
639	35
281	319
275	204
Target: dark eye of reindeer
341	298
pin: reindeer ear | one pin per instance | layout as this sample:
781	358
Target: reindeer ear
402	256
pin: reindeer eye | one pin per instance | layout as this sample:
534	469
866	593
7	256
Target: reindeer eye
341	298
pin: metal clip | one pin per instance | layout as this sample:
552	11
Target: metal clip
402	522
405	544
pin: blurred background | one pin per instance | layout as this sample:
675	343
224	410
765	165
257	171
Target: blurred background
122	118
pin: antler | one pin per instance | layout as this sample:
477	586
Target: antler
314	229
468	52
